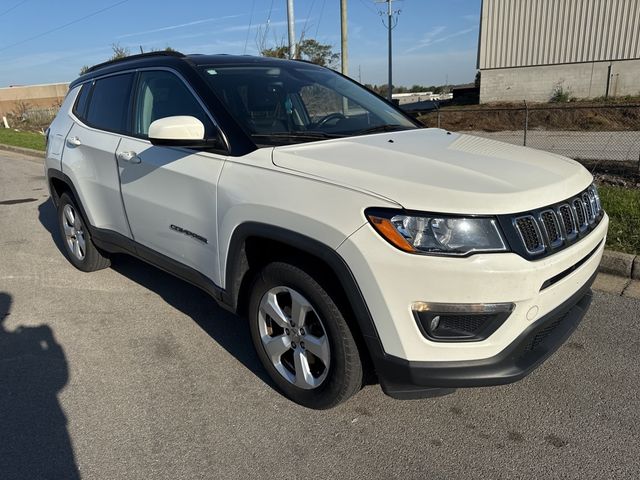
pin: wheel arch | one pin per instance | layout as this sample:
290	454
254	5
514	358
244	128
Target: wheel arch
254	244
60	183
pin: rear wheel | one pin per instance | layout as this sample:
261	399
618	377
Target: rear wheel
78	247
302	338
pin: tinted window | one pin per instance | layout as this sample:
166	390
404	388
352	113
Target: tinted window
162	94
81	103
109	106
297	102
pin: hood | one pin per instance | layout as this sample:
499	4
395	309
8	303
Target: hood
438	171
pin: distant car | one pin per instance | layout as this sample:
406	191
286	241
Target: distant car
356	242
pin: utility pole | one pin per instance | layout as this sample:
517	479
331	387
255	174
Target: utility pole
390	26
292	32
344	49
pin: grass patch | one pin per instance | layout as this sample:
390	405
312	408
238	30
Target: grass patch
35	141
623	207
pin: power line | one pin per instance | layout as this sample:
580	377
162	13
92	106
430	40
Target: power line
320	18
13	8
369	6
270	12
246	40
306	20
6	47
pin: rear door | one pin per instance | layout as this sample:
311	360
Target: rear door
101	113
170	193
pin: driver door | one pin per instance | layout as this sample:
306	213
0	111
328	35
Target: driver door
169	193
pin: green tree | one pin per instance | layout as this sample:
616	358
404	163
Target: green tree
276	52
318	53
307	49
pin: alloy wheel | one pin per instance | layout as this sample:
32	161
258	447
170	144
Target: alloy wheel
73	232
294	337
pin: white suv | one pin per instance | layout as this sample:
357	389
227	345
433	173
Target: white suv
359	245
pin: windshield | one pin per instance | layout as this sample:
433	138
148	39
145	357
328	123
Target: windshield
300	103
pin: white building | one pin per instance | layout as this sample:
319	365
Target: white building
528	49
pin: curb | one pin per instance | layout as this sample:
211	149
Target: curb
23	151
620	264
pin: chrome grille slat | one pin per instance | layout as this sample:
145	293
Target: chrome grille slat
551	227
527	227
568	221
581	214
591	217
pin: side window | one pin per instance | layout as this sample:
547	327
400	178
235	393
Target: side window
109	105
162	94
80	108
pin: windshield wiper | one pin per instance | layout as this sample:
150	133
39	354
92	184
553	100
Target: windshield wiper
311	135
382	128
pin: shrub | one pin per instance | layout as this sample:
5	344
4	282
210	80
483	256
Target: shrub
560	94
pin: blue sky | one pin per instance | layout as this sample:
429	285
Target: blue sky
434	40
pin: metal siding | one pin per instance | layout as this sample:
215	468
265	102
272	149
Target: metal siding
517	33
637	37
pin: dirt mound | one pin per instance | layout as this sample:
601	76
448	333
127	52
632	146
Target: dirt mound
571	117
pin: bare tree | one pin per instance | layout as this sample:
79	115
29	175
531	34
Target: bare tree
119	52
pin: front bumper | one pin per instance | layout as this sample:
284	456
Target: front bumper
542	291
401	378
391	281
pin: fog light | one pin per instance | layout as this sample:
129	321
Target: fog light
456	322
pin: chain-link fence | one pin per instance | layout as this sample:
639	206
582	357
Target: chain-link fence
600	132
40	116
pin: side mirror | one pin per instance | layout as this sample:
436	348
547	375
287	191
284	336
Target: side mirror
179	131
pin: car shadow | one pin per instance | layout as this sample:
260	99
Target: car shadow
48	217
228	330
34	440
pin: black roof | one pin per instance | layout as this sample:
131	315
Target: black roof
224	59
173	58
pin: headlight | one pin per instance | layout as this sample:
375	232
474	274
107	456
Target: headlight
438	234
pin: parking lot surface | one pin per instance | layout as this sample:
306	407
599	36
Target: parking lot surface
128	373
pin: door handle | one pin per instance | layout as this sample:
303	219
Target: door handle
74	142
129	157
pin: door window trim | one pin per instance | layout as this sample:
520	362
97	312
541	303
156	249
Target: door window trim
132	94
85	121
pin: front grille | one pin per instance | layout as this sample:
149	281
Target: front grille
568	222
530	234
544	231
551	227
578	207
588	206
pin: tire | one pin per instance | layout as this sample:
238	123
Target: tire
320	344
76	239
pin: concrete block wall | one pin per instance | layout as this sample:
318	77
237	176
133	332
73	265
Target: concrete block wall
33	95
537	84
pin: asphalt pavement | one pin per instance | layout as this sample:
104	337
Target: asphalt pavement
128	373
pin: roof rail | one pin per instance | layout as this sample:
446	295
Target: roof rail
162	53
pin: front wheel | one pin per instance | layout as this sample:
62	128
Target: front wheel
302	338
